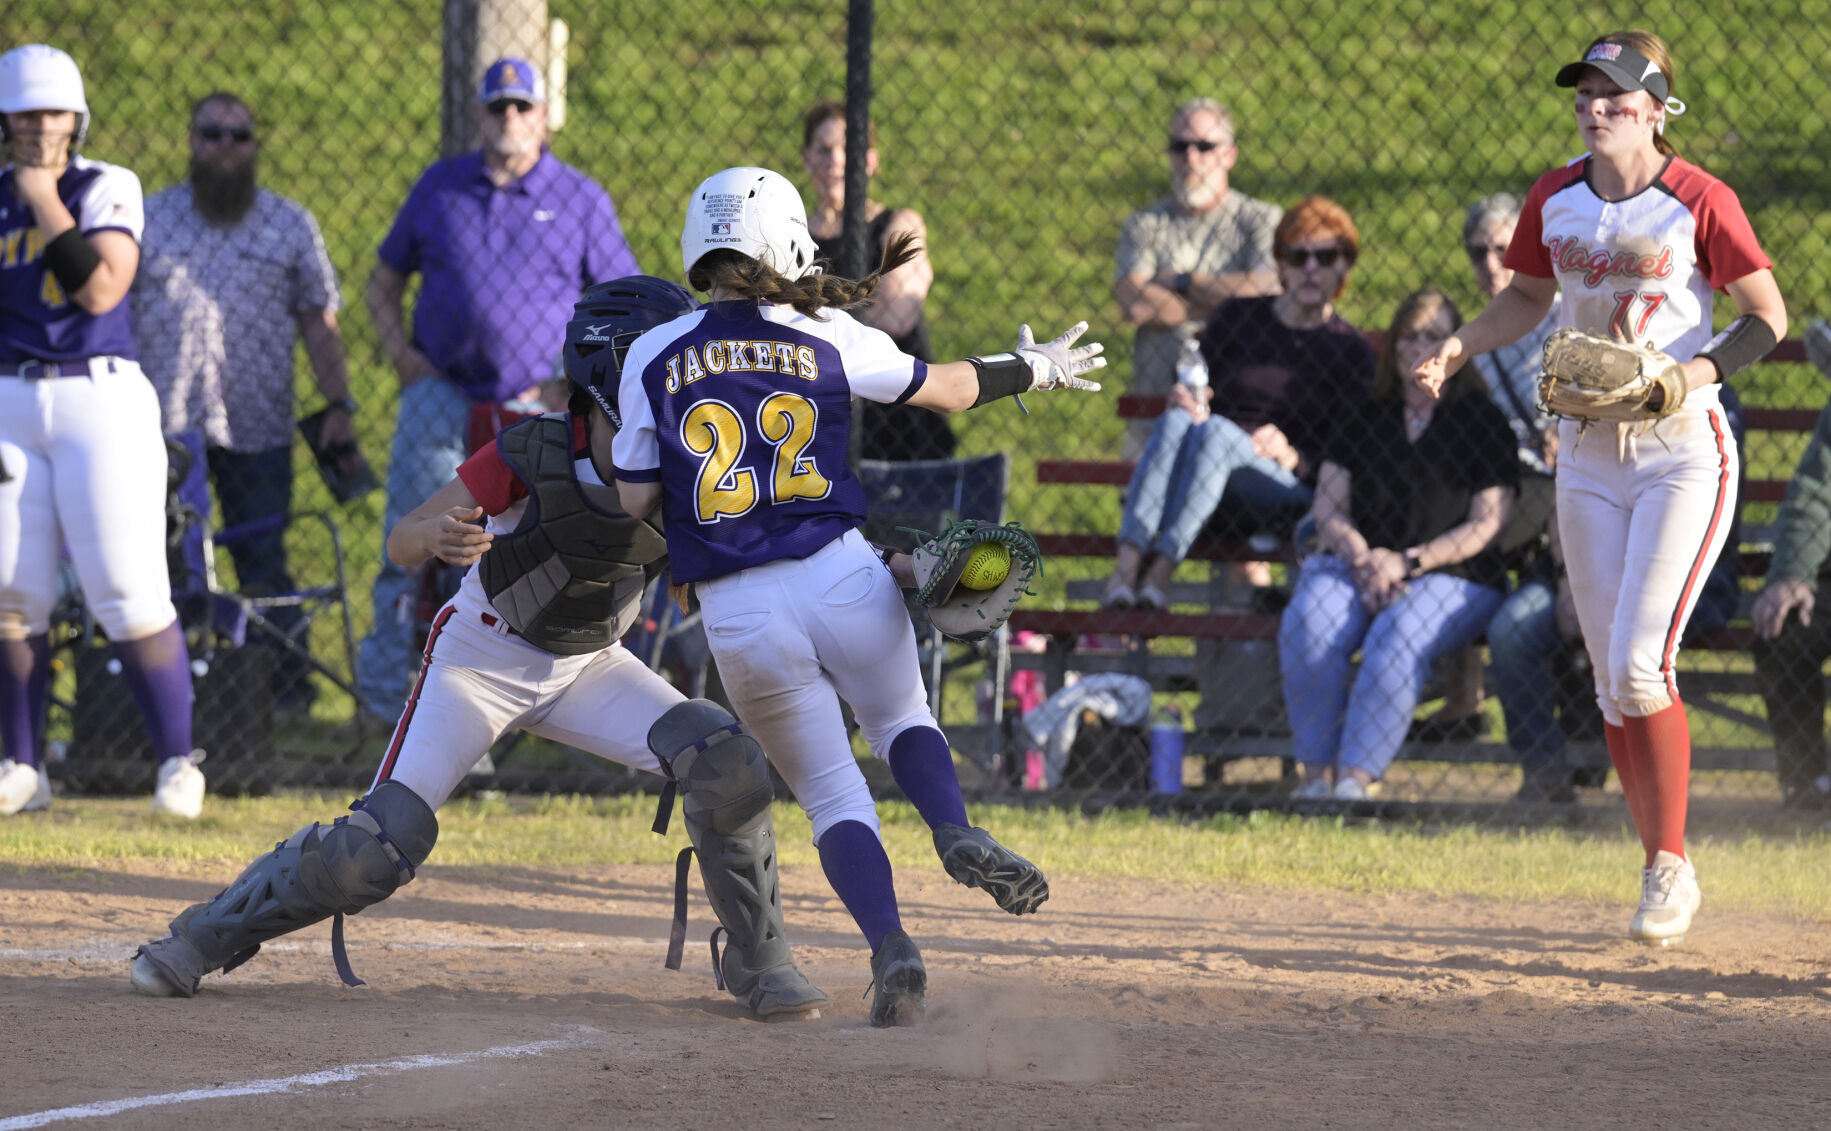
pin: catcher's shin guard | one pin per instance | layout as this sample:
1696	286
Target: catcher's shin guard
724	782
319	871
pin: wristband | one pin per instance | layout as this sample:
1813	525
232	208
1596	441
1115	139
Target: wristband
71	260
346	402
1001	375
1414	565
1742	343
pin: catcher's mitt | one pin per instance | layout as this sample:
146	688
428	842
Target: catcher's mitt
1594	378
970	614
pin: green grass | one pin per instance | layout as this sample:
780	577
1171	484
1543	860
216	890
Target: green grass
1025	132
1789	876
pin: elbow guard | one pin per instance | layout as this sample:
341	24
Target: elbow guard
1742	343
71	260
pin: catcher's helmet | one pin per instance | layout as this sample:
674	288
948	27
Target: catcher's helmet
753	211
37	77
606	319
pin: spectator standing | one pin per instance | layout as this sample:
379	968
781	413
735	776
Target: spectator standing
231	278
895	432
1412	493
1791	645
1279	367
82	464
503	238
1181	258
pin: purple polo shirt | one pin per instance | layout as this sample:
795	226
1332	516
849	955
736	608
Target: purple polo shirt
501	267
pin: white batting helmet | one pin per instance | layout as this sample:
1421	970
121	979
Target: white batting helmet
37	77
753	211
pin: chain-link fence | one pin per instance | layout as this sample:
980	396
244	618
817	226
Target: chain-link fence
1027	138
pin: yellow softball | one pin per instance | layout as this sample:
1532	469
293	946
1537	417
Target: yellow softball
986	566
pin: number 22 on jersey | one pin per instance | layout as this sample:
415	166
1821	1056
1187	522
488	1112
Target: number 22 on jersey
715	432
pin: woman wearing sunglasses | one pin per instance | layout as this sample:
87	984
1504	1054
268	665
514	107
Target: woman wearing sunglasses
1412	491
1278	366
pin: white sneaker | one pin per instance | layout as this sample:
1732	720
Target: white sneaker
1350	789
23	788
1669	897
180	788
1315	789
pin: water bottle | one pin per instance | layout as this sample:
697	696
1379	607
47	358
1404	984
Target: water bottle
1191	367
1167	751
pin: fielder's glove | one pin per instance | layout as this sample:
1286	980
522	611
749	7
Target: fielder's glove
1594	378
1056	365
972	614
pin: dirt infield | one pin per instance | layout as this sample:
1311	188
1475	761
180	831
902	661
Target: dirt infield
537	999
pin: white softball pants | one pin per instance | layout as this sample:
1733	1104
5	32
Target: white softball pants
1643	515
794	637
477	682
87	468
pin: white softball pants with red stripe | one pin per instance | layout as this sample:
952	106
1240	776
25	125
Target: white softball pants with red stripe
792	638
1643	513
478	682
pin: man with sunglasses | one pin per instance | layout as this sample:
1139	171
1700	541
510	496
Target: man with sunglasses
1182	257
503	239
232	277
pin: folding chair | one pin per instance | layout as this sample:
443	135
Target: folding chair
221	617
927	495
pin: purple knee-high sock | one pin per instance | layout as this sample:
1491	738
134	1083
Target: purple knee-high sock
157	669
923	767
854	862
25	683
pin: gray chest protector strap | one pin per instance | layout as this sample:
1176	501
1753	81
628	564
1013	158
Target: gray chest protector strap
725	798
569	577
319	871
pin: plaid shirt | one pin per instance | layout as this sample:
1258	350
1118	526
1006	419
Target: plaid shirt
216	315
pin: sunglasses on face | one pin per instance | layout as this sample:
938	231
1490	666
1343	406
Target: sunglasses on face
1323	257
501	106
240	135
1480	251
1182	145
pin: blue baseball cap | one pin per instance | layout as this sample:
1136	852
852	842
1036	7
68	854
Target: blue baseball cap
509	77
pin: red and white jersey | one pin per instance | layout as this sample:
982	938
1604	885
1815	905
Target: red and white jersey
1645	265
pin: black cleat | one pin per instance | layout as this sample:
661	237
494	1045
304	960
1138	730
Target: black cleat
972	857
899	982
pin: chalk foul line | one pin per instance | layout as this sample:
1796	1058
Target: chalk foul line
339	1075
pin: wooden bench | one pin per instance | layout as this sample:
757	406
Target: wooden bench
1135	632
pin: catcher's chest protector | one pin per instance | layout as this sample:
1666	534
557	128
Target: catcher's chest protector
569	577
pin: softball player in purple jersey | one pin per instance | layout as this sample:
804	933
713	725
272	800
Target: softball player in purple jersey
736	420
82	461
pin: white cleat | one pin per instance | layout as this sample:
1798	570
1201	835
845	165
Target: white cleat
23	788
1669	897
180	789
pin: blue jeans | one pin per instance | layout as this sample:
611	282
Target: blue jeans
1357	721
429	444
251	487
1185	470
1525	649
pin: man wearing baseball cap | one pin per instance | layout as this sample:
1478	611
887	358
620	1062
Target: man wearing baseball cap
503	239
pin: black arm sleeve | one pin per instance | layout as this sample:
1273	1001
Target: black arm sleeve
71	260
1742	343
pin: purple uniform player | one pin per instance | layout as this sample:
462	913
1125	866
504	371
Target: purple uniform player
82	461
736	420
